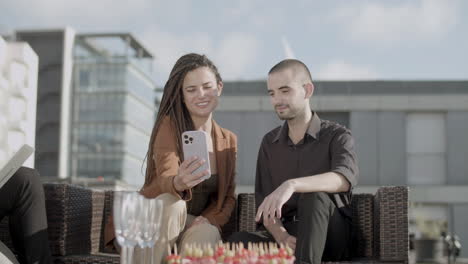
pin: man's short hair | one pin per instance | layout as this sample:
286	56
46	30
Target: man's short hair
293	64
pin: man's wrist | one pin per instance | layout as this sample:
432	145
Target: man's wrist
291	183
282	236
278	232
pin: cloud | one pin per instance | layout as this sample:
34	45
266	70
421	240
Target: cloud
340	70
168	47
91	15
233	54
160	25
260	15
387	22
240	8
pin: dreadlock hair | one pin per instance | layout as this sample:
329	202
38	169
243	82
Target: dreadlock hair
172	104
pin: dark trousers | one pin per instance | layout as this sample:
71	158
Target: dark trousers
22	199
322	231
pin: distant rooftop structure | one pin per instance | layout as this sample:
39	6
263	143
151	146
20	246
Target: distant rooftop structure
404	87
114	44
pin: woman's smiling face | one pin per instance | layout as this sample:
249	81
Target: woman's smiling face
201	91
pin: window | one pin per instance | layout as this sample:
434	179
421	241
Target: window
84	78
426	148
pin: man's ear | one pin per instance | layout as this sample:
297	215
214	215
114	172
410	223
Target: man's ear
309	90
220	88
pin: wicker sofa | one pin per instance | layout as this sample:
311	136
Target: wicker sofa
76	217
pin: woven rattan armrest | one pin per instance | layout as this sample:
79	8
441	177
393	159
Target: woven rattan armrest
74	216
391	226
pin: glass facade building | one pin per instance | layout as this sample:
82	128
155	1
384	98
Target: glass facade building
113	108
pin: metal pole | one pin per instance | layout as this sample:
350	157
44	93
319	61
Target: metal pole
451	245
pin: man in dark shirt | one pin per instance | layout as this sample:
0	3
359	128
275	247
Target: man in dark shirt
306	170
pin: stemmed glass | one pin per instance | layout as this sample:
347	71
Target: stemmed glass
149	221
126	209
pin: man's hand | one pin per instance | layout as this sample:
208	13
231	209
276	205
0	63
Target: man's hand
281	235
289	241
198	221
272	204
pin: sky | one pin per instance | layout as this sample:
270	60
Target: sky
338	40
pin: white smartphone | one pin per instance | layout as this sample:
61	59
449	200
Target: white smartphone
194	143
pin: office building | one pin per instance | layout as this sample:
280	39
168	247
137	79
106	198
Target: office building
54	49
406	133
113	107
95	104
18	90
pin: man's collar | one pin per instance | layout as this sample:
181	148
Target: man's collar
314	126
283	130
313	129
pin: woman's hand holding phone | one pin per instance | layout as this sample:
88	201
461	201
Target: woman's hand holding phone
186	178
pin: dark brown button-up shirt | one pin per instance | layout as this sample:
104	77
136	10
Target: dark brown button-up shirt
326	147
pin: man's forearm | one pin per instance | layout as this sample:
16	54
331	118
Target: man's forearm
330	182
277	230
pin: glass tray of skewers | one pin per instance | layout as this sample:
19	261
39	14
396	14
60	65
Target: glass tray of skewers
232	253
